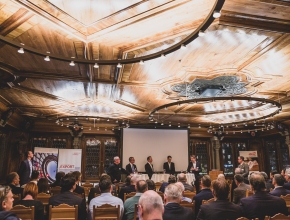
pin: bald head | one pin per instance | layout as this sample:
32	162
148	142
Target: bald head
181	177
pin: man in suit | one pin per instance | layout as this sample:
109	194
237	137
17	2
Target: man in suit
171	179
221	208
149	167
131	167
244	168
278	182
130	188
172	209
68	185
25	169
115	170
240	190
261	203
287	184
204	194
182	178
194	167
169	166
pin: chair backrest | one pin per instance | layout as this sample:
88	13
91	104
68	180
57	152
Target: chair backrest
129	195
249	193
16	197
242	218
24	213
278	216
157	186
87	191
190	205
189	194
63	211
136	211
88	184
43	197
55	190
287	200
107	212
207	201
161	194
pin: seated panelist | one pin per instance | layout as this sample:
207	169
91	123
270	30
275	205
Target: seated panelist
131	167
169	166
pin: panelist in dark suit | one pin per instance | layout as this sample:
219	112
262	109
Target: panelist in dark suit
149	167
25	169
278	182
221	208
115	170
262	203
131	167
244	168
194	167
169	166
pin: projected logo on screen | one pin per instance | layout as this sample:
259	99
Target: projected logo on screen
46	164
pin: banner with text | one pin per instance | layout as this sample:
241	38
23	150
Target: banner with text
69	160
246	154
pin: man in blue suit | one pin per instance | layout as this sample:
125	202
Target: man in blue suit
262	203
278	181
25	169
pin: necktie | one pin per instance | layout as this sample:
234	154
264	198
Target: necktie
169	165
133	170
30	168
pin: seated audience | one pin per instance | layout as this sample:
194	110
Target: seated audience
172	209
130	188
29	195
171	179
78	176
179	184
287	178
129	205
150	206
272	173
43	186
182	178
237	171
261	203
59	175
278	182
106	196
204	194
268	185
68	185
6	199
33	178
221	176
13	180
221	208
151	185
240	191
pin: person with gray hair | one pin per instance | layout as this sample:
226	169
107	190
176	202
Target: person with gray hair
182	188
262	203
6	199
240	190
115	170
268	185
150	206
287	177
172	209
278	182
182	178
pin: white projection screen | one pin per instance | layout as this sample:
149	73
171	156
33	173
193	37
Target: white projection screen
158	143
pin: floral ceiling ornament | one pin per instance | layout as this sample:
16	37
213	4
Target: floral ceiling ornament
218	87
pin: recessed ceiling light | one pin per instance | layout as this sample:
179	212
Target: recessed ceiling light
201	33
72	63
141	62
21	50
96	65
119	65
216	14
47	58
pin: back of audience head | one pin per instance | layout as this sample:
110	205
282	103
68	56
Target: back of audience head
30	189
151	184
239	178
171	179
279	179
150	206
77	175
134	180
221	176
181	177
105	184
257	182
67	183
173	193
287	176
141	186
43	186
12	178
6	198
128	181
59	175
34	175
221	189
264	175
205	181
179	184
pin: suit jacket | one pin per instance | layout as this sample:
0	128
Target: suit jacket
173	211
287	185
187	187
16	190
196	173
204	194
240	192
79	190
24	172
149	170
280	191
163	186
115	171
261	204
126	189
167	170
129	168
220	210
245	168
70	199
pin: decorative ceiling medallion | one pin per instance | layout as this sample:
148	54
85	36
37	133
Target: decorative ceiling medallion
221	86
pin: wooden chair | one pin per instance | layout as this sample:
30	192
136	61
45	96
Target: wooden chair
63	211
55	190
23	212
287	200
136	212
157	186
242	218
189	194
107	212
190	205
249	193
161	194
88	184
16	197
44	198
87	191
207	201
278	216
129	195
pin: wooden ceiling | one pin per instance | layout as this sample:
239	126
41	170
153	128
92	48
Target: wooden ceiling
251	40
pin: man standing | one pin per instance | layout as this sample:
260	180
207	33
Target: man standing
278	182
131	167
244	168
169	166
194	167
240	190
115	170
25	169
149	167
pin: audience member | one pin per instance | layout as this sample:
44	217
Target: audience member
59	175
172	209
106	196
240	191
43	186
171	179
129	205
78	176
150	206
261	203
221	176
278	182
179	184
204	194
272	173
6	199
182	178
221	208
237	171
12	180
151	185
68	185
130	188
29	199
268	185
115	170
34	178
287	178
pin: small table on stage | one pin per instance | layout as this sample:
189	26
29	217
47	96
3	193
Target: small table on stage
190	178
142	176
